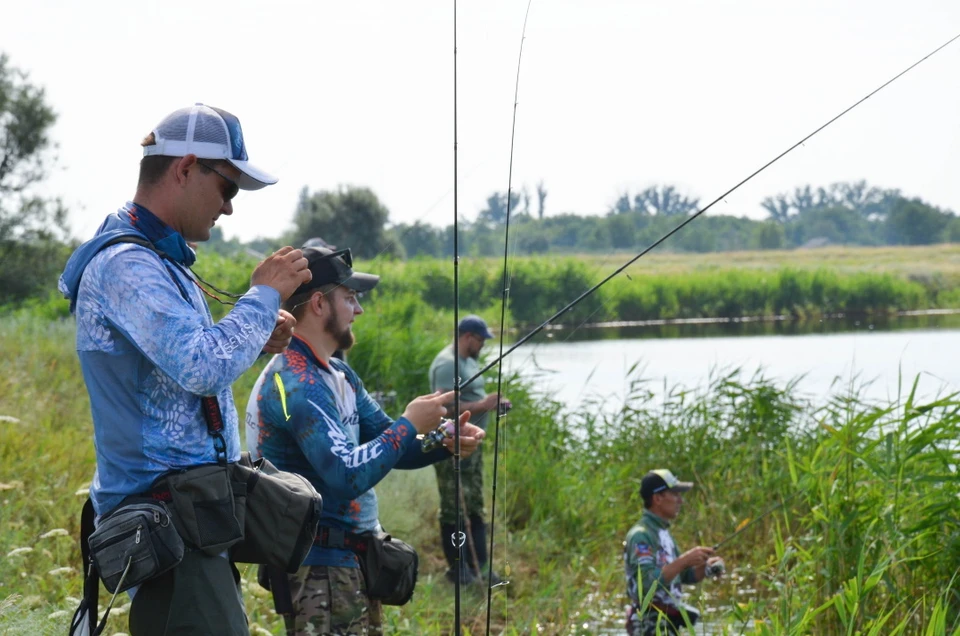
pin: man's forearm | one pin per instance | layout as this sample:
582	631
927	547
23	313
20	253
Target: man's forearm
672	570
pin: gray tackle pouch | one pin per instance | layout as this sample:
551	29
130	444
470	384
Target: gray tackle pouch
205	512
134	543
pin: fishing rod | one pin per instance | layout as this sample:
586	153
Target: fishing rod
750	522
505	291
689	219
459	538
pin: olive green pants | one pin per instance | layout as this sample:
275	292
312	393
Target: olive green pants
200	596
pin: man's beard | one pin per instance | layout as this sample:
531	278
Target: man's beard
341	333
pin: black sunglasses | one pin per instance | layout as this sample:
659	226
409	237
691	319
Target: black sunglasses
232	188
345	255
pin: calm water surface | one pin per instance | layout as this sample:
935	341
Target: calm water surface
828	357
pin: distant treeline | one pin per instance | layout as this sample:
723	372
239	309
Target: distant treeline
842	214
839	214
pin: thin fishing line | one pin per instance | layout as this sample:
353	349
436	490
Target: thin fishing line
459	537
566	338
505	291
689	219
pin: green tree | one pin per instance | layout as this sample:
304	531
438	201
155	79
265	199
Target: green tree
621	205
30	225
952	234
913	222
496	211
838	225
622	231
541	199
770	236
869	202
261	247
419	239
666	201
220	245
348	217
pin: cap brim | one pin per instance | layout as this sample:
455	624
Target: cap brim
361	282
488	335
251	177
682	486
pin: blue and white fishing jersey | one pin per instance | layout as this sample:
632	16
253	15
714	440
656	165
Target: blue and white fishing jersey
316	419
148	353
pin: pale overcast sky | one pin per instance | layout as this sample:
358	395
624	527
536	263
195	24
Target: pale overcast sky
614	95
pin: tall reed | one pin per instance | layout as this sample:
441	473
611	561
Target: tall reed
867	539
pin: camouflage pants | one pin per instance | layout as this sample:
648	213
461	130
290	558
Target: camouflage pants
332	600
471	484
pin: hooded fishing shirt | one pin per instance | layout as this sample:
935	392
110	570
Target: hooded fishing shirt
649	547
315	418
149	349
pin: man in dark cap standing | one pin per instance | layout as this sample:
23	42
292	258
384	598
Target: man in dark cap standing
472	333
652	560
309	413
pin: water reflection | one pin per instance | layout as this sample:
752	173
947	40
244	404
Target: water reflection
750	327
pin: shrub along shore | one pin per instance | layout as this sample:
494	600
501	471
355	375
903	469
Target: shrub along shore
798	284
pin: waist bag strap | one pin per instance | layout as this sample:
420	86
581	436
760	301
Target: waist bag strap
338	539
211	413
276	581
84	621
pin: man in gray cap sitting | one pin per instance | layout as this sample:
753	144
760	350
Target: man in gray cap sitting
472	333
652	560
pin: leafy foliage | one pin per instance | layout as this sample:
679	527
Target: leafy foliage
348	217
32	228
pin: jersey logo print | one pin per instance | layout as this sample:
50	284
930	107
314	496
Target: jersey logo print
359	455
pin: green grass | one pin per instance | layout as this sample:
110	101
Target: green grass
867	542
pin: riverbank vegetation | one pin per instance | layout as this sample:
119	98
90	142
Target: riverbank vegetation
792	284
867	539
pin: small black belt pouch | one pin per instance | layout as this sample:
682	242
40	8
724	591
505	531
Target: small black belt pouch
139	535
390	568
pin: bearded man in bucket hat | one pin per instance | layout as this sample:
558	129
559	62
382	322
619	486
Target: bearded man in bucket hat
309	413
151	354
652	560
